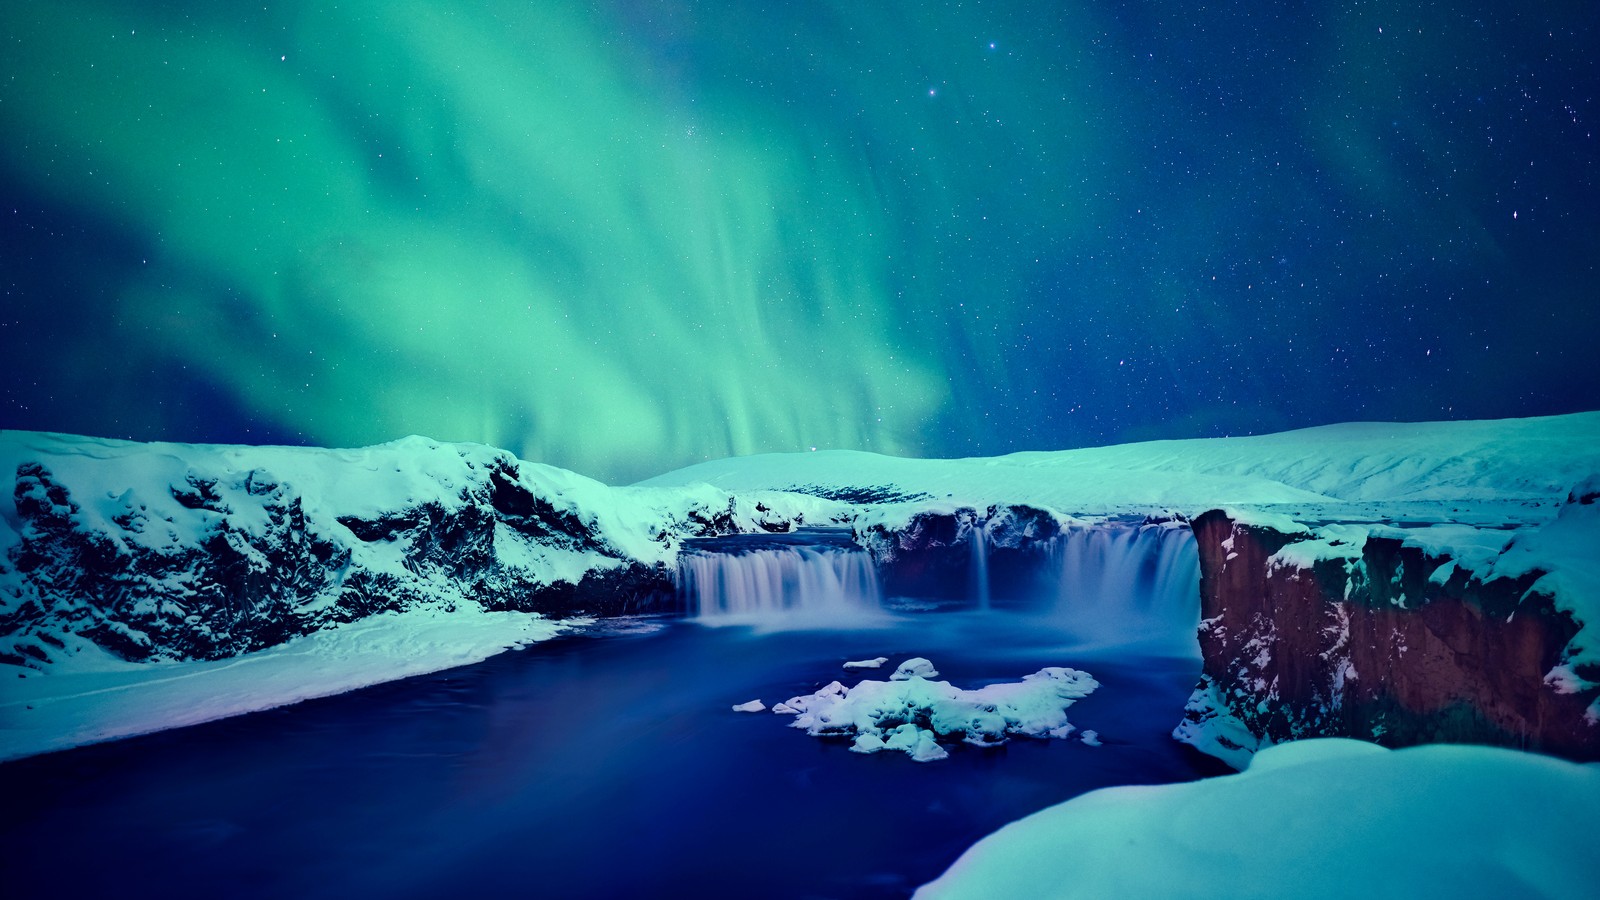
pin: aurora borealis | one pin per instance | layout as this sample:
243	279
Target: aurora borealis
625	236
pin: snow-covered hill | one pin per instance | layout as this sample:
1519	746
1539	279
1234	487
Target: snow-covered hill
1499	470
127	570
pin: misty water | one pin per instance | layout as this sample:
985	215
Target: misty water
603	764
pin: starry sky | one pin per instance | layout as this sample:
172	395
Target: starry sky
622	236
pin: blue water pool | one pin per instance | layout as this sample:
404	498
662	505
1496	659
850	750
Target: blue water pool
600	765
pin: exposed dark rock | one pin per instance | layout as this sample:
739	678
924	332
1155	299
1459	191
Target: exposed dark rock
932	554
629	589
858	494
227	592
1372	647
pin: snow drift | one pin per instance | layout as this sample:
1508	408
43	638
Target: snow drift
1327	818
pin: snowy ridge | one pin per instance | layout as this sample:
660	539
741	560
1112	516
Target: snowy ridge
1376	469
169	551
110	477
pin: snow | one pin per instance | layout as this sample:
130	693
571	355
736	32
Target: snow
1330	542
918	743
88	695
112	478
909	714
1515	466
1325	818
915	667
866	663
750	706
1210	726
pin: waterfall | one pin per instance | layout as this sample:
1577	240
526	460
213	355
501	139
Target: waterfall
790	583
978	569
1110	584
1130	584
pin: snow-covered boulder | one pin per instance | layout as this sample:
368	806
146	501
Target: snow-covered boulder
915	667
866	663
911	714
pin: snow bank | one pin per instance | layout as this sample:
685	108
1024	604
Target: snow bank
909	713
1327	818
88	695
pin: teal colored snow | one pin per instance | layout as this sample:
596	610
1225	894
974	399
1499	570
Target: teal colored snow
910	712
1328	818
87	695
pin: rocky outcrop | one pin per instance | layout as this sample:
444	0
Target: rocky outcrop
226	591
171	552
942	554
1373	637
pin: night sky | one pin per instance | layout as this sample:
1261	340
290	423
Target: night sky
625	236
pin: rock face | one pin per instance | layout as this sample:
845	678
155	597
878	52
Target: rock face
173	552
944	553
1381	641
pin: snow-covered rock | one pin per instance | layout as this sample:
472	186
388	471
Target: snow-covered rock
750	706
915	667
169	551
1399	635
910	714
866	663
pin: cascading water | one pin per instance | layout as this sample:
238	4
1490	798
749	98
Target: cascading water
1111	584
1130	584
812	577
978	569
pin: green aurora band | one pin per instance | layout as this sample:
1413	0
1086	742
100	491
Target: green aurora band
620	237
